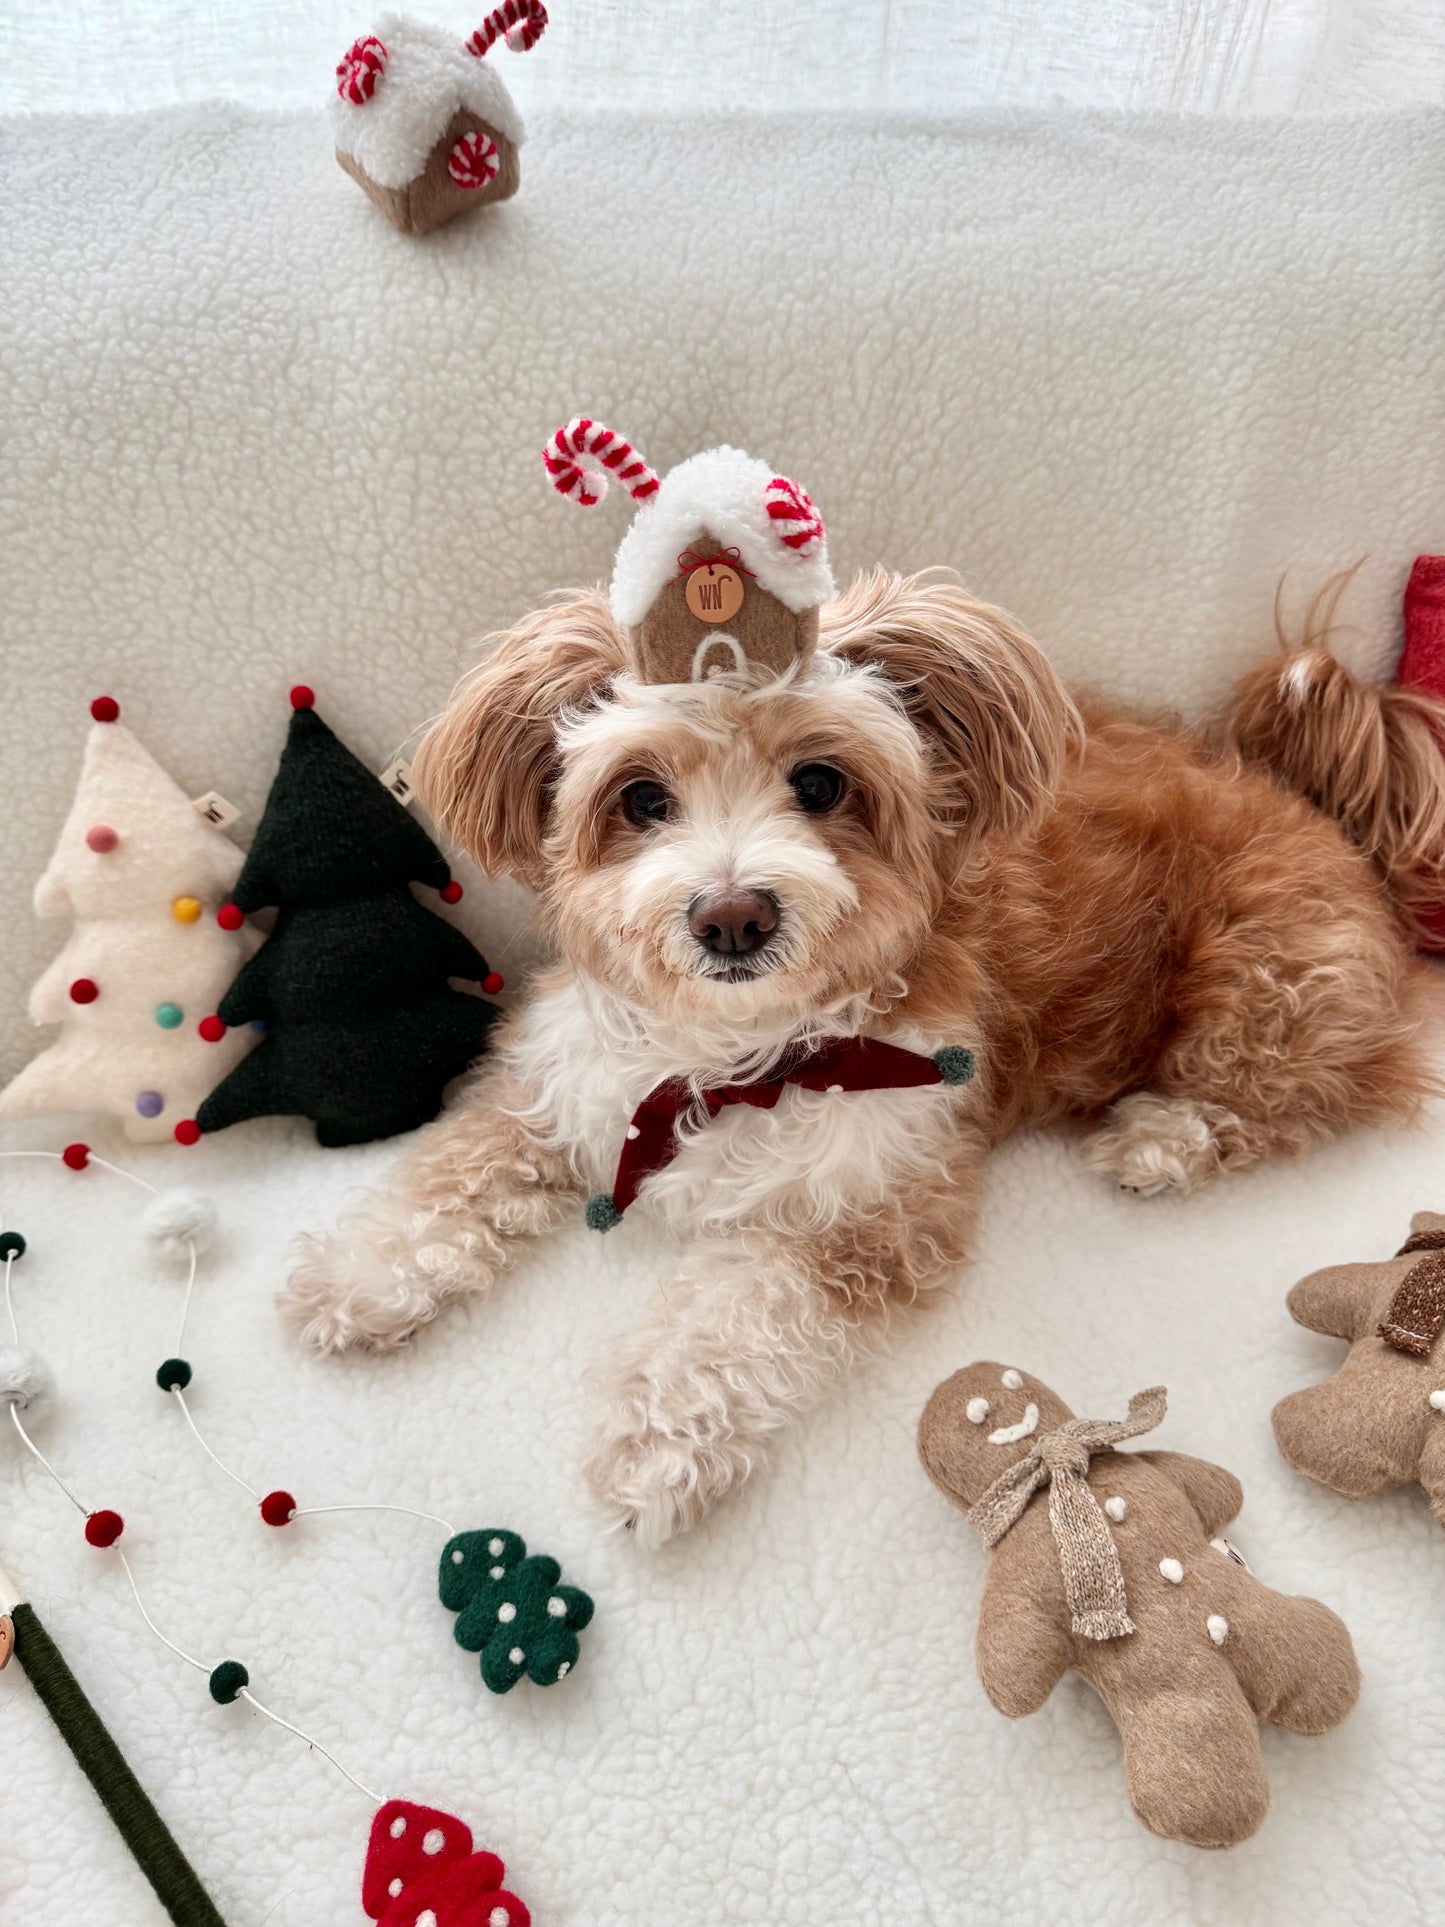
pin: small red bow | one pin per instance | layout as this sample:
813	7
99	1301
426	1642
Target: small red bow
725	559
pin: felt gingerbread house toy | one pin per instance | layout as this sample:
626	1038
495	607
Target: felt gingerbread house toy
1119	1575
1380	1421
423	120
725	565
136	988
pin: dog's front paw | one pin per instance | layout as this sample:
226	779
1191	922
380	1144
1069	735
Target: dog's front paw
661	1469
369	1285
1151	1144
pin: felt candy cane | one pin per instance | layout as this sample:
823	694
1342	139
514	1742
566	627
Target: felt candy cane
581	456
521	23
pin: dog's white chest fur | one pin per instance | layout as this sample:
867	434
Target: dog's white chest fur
798	1166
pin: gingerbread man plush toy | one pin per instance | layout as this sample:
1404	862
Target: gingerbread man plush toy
1108	1564
1380	1421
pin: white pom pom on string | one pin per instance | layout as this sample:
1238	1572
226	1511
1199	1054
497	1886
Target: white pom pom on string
179	1215
25	1378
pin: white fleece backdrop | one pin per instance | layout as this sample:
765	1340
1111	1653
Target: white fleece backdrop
1123	373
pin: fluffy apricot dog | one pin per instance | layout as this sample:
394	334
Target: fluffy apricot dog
1197	945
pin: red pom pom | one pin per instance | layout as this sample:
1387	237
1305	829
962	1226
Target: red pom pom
302	697
230	916
450	892
105	709
212	1029
277	1508
493	982
84	990
103	1528
77	1156
188	1131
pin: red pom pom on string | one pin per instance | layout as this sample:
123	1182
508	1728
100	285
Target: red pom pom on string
105	709
76	1156
302	697
188	1131
493	982
278	1508
212	1029
230	916
450	892
84	990
103	1528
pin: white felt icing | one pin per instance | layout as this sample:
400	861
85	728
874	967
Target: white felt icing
1172	1570
1217	1627
1010	1434
1437	1400
1116	1508
429	76
977	1410
721	493
1013	1380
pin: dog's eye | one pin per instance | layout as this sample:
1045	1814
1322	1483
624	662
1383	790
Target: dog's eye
646	802
817	787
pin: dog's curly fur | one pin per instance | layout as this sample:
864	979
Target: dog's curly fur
1196	944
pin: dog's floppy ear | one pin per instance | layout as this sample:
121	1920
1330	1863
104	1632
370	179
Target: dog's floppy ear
486	766
976	684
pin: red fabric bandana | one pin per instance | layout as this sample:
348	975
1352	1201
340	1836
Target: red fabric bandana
851	1064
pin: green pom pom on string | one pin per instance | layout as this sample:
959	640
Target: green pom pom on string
229	1679
174	1375
12	1245
955	1063
602	1213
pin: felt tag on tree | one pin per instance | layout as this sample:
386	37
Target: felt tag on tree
362	1029
512	1610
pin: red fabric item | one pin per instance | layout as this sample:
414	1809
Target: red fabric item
521	23
1422	660
211	1029
397	1851
230	916
1422	666
84	990
852	1064
303	697
188	1131
105	709
466	1894
76	1156
493	982
450	892
277	1508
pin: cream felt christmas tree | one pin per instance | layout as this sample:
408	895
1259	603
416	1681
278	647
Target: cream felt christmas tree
135	988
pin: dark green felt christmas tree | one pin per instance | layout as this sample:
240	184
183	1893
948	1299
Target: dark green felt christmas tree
362	1029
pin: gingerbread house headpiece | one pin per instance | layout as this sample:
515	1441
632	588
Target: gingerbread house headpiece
725	565
423	120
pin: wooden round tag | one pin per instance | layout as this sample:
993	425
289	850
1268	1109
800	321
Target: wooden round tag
714	592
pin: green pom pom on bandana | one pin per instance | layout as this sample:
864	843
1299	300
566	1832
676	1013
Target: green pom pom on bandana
602	1213
955	1063
512	1610
229	1679
174	1374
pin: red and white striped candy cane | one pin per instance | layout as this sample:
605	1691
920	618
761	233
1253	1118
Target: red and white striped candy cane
521	23
580	457
795	521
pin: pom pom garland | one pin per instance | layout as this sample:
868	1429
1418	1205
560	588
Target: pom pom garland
212	1029
103	1528
76	1156
174	1374
12	1246
278	1508
188	1131
25	1378
179	1218
230	916
105	709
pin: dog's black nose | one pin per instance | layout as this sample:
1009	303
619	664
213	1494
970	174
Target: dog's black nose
732	922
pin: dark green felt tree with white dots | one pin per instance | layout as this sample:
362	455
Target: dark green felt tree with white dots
362	1026
511	1608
